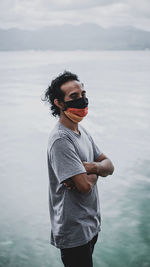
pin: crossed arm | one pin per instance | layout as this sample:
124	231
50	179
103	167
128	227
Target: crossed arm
84	182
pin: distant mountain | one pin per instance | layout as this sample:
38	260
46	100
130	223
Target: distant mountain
71	37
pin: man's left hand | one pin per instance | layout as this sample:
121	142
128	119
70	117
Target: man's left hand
69	184
90	167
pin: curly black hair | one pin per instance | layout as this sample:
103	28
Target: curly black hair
54	91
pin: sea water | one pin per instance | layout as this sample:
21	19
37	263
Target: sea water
118	88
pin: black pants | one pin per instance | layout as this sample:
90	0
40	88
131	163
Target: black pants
80	256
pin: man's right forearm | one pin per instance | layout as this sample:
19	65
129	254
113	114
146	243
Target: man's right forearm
92	179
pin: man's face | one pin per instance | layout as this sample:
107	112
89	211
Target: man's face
73	90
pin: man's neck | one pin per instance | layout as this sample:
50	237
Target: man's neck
68	123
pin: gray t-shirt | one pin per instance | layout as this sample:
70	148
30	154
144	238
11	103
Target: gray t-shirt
75	216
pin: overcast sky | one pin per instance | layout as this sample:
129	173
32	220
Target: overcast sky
33	14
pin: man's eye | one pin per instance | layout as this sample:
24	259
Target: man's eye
74	97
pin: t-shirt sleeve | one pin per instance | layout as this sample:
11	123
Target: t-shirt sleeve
64	160
96	150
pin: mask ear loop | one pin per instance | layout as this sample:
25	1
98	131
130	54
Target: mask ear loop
65	106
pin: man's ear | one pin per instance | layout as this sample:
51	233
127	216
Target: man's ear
58	104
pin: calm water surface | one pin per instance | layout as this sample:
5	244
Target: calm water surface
118	88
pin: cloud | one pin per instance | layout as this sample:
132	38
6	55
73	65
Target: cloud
29	14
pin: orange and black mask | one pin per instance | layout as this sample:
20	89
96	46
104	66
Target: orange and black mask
76	109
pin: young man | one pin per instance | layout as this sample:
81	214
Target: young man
74	165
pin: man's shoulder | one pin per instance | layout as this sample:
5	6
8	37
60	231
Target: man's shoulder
85	130
57	133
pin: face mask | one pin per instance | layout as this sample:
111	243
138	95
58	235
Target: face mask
77	109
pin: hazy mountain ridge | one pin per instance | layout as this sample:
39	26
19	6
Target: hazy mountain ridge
71	37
